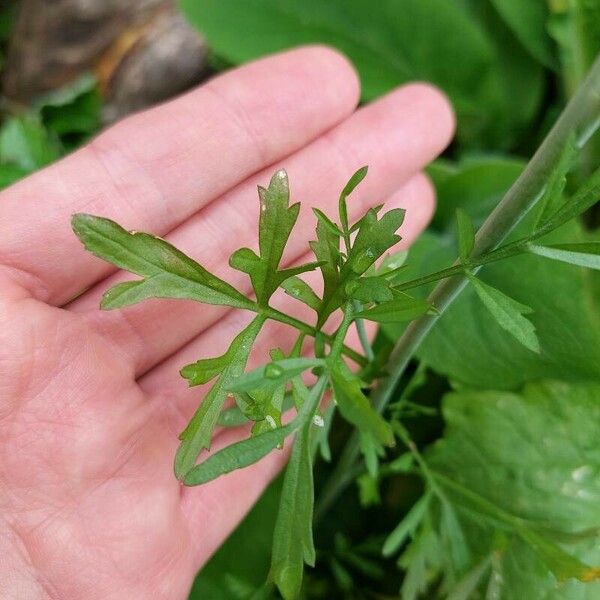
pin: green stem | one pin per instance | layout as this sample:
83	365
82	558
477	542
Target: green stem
340	336
582	111
275	315
362	333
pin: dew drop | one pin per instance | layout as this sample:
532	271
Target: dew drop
318	421
273	371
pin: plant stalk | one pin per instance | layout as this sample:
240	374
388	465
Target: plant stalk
580	114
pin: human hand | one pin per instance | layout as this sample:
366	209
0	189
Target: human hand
91	402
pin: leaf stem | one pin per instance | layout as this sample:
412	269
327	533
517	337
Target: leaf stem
581	111
276	315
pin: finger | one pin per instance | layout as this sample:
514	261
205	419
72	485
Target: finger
157	168
164	383
152	330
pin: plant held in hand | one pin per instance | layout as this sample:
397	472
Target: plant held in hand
356	287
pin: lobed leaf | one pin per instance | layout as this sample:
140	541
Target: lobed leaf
508	313
276	221
167	272
198	433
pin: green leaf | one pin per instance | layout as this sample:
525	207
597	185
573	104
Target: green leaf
466	234
517	454
237	456
327	222
298	288
369	289
467	586
167	272
276	222
354	406
453	536
585	197
402	308
528	21
293	537
327	250
508	313
585	254
564	301
206	369
248	451
198	433
274	374
407	527
74	109
426	40
475	185
348	189
552	197
373	239
25	143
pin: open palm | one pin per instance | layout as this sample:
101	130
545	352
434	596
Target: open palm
91	402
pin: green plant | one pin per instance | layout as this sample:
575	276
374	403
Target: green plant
358	289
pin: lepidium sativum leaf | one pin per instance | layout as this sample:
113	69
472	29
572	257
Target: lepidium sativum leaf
167	272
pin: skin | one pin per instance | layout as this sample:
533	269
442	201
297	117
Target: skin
91	402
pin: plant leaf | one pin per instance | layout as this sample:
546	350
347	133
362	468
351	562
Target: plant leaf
276	221
543	478
402	308
508	313
298	288
466	234
408	526
355	407
293	537
369	289
585	197
274	374
552	197
167	272
468	585
585	254
248	451
528	21
198	433
348	189
373	239
204	370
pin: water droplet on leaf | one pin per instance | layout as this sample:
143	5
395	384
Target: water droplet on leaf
273	371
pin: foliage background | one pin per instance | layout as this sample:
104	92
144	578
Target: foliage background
518	428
